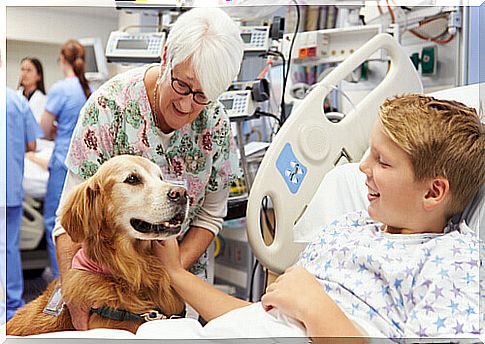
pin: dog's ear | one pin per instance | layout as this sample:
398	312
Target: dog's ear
78	213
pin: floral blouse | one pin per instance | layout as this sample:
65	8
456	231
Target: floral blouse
117	119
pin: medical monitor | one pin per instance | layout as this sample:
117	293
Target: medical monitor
96	67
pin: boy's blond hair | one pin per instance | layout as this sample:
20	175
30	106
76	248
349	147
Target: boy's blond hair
443	139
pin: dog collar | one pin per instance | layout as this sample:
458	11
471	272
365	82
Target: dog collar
122	315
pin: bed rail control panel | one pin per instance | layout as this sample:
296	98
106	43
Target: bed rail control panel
123	47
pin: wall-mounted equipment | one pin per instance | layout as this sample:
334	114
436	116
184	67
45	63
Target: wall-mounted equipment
329	45
428	60
241	103
124	47
238	104
255	38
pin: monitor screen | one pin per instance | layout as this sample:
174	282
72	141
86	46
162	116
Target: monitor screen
91	66
95	67
228	103
246	37
132	44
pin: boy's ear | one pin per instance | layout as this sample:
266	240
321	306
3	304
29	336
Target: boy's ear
437	193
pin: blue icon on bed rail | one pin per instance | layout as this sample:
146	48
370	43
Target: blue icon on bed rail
291	169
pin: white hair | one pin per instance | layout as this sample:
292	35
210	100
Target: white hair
212	40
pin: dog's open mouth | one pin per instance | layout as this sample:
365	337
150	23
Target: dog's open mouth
170	226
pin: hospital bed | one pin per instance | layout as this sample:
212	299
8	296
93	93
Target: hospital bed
34	255
294	170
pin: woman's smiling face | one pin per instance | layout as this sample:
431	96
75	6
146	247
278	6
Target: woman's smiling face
176	110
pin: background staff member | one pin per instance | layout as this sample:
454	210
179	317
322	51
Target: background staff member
22	131
64	102
31	85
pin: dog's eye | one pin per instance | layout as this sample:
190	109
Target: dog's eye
132	179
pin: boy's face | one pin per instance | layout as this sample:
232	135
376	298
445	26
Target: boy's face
395	197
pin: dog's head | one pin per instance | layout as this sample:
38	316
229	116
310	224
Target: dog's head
126	194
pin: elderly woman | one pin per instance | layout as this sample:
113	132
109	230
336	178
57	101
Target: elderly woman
169	114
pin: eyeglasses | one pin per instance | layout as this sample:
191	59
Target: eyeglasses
183	89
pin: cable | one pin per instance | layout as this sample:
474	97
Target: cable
391	12
267	114
280	55
436	40
264	205
266	69
285	75
251	281
379	8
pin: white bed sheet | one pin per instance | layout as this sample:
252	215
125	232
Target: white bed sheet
35	177
247	322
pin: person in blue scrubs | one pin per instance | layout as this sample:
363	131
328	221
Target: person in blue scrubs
64	102
22	131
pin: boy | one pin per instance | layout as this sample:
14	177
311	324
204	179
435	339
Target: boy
404	269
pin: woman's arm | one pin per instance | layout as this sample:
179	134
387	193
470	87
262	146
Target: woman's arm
298	294
209	302
194	244
47	125
204	227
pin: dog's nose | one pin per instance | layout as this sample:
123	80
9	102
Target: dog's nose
178	194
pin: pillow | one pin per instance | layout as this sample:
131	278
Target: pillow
341	191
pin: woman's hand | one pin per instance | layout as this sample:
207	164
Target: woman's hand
295	293
169	254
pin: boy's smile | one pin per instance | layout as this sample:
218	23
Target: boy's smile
396	198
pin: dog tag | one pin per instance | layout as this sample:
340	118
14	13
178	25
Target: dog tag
55	304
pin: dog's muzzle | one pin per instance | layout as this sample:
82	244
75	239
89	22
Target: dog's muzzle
171	226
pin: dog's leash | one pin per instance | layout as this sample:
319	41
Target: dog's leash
122	315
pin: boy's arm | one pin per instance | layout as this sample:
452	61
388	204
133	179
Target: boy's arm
209	302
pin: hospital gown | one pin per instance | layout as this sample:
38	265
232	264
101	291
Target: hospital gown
418	285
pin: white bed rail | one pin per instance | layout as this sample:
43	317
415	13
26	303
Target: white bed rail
308	146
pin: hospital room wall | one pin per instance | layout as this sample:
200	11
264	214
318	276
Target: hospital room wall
40	31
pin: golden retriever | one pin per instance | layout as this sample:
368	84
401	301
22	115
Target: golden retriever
116	214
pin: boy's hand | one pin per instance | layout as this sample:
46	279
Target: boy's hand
295	293
298	294
168	253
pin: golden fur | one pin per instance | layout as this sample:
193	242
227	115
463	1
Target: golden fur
97	214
